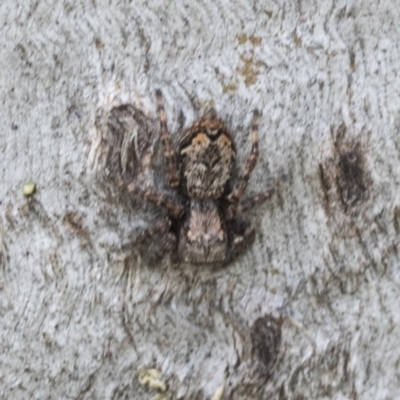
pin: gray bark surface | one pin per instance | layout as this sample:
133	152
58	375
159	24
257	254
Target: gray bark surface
82	317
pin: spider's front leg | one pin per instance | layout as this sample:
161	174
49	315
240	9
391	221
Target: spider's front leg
240	187
169	153
173	207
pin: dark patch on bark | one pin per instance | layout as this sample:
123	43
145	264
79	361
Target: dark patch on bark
351	180
396	217
325	185
265	339
352	57
74	222
351	176
130	140
344	178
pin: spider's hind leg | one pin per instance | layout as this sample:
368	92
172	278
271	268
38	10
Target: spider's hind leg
242	235
247	204
154	250
158	228
159	249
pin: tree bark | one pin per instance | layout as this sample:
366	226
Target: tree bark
310	311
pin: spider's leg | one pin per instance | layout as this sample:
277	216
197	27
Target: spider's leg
167	244
247	204
146	235
240	187
154	250
169	153
241	240
158	228
173	207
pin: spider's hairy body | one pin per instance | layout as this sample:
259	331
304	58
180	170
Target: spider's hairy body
206	156
203	229
202	237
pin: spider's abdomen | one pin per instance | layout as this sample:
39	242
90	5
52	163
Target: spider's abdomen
202	239
206	155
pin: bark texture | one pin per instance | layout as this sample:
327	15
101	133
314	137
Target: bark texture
310	311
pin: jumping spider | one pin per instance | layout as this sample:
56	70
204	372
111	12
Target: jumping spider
202	227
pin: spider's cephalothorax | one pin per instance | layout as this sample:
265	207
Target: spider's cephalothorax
204	229
206	155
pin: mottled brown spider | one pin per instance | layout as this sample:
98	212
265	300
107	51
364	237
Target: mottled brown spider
202	225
